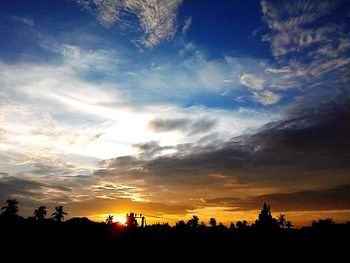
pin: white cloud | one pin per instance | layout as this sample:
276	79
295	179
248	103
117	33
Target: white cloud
51	110
87	60
157	18
107	11
259	86
187	25
252	81
267	97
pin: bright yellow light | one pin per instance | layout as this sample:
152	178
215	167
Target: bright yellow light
120	219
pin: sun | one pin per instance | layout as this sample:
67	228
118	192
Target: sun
120	219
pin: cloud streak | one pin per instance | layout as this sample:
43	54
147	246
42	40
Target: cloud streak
187	25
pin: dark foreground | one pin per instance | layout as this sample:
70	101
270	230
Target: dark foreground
85	238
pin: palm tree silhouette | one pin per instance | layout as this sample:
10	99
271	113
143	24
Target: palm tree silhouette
281	220
109	219
212	222
40	213
11	209
59	214
289	224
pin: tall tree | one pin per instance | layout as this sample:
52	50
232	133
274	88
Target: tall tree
281	220
11	209
212	222
265	220
59	214
40	213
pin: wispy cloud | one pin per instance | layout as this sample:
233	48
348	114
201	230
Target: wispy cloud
24	20
293	25
157	18
252	81
267	97
259	87
310	48
187	25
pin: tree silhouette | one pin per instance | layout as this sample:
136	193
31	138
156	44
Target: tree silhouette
242	224
289	224
265	220
11	209
131	221
109	219
232	226
59	214
40	213
212	222
193	222
265	214
281	220
323	223
180	224
221	226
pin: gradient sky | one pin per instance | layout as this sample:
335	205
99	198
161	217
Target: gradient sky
176	107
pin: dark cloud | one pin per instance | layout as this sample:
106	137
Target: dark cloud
150	149
191	127
164	125
201	126
337	198
309	147
11	186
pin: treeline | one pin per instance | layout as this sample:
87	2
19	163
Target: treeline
45	230
10	214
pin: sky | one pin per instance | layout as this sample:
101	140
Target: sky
172	108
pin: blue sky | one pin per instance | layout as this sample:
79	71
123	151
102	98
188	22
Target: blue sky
86	84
